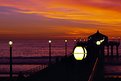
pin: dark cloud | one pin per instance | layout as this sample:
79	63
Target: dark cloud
5	9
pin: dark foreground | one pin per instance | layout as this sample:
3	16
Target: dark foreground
68	69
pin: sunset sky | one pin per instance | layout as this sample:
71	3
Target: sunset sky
59	18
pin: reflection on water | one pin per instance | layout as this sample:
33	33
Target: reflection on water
17	68
31	48
4	69
27	48
109	69
112	66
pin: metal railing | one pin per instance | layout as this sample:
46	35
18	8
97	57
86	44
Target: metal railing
34	70
91	77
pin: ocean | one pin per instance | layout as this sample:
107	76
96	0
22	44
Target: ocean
28	54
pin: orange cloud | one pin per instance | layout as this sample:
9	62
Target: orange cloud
93	10
76	17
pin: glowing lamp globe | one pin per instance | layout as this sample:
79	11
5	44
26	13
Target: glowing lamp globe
10	43
98	42
49	41
80	53
65	40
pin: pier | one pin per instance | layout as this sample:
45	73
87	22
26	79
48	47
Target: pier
110	47
88	68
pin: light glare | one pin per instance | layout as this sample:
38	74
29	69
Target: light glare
65	40
80	53
50	41
98	42
10	43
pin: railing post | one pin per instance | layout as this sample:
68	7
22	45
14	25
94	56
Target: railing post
108	50
111	50
117	54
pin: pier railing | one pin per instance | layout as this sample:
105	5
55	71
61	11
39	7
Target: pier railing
34	70
29	72
92	75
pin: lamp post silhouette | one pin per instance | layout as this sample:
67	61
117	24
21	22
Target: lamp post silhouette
10	45
66	48
49	51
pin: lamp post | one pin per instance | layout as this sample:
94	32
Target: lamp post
66	48
10	45
49	51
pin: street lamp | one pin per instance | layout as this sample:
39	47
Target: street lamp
80	53
66	47
10	45
74	40
49	51
99	42
49	41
